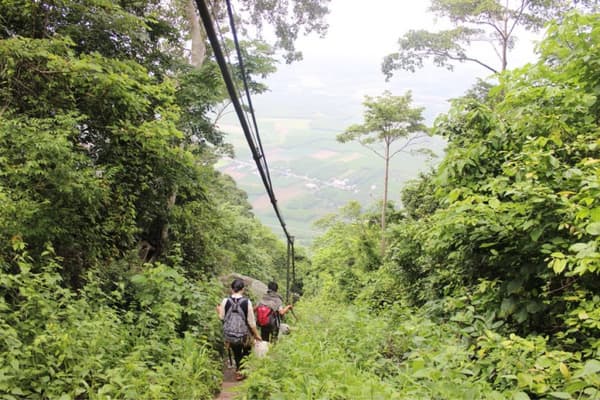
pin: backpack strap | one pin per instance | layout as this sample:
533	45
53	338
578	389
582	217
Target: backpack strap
240	301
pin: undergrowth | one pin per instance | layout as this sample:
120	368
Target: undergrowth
127	344
340	351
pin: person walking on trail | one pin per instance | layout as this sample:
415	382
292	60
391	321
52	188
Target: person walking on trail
239	324
269	312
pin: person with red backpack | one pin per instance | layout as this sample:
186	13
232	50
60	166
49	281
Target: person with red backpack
269	312
239	325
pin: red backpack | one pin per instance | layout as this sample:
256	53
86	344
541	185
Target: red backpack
263	315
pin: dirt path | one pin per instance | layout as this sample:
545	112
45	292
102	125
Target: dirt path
229	383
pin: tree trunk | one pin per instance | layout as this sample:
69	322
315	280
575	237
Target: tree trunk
505	39
385	195
164	234
198	51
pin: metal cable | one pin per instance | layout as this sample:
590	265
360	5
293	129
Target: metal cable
233	94
244	80
229	62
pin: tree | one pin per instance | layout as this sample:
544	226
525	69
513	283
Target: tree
418	197
345	254
288	20
491	21
512	213
388	119
96	142
88	142
201	90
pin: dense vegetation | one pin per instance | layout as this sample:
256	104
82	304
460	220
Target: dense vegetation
490	287
113	222
114	226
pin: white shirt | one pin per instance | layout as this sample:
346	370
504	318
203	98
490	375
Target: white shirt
249	316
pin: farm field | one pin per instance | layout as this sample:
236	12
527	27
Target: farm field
313	174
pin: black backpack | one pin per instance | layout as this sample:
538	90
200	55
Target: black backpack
235	326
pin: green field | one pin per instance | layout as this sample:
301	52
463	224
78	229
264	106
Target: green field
304	164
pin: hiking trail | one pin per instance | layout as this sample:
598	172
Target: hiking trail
229	383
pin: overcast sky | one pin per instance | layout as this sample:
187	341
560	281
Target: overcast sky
339	70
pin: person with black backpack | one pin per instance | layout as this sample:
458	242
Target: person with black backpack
239	325
269	312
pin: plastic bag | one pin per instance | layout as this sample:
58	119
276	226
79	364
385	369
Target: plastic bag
261	348
284	329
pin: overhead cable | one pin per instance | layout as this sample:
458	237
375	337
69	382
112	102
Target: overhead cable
247	91
255	148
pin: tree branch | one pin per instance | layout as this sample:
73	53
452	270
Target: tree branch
221	113
517	18
464	58
566	285
408	143
372	149
494	26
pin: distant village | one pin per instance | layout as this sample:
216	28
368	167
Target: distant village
312	184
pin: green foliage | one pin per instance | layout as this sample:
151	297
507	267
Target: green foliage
99	154
391	126
101	169
82	144
387	119
199	91
250	248
56	194
289	20
490	283
495	20
516	197
418	197
339	354
331	353
120	29
90	147
344	254
57	343
418	45
437	357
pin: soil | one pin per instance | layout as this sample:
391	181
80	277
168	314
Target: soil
229	383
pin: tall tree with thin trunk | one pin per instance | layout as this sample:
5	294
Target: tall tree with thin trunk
391	126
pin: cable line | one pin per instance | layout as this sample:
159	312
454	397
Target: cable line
227	55
254	144
243	73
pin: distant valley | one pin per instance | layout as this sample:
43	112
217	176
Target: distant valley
313	174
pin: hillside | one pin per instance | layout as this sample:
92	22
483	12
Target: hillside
312	173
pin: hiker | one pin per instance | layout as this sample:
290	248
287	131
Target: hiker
239	325
269	312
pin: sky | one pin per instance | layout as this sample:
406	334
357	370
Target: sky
339	70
